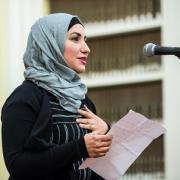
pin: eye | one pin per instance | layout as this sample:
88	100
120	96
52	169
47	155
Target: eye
75	38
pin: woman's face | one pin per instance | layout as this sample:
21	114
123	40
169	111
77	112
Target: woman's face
75	49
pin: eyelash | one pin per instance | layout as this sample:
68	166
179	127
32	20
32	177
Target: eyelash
75	38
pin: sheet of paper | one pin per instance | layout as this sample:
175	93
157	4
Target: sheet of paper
131	135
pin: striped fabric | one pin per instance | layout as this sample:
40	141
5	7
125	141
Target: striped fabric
65	129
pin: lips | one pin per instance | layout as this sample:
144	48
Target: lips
83	60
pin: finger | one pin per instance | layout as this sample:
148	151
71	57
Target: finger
84	113
102	154
86	121
82	121
106	144
99	145
87	126
106	137
98	155
94	133
87	109
103	150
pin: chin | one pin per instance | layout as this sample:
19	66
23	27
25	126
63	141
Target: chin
80	71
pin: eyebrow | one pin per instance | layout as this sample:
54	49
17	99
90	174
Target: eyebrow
78	34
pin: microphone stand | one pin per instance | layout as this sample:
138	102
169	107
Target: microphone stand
178	56
177	53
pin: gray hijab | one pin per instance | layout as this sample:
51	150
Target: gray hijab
45	64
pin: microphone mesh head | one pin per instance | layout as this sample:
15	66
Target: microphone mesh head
148	49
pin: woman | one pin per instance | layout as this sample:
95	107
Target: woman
49	124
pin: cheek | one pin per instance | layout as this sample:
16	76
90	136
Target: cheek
70	52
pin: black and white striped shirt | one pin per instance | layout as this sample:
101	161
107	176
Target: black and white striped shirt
66	129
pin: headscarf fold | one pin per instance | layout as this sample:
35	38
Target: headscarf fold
45	64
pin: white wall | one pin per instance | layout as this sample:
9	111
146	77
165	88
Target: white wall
19	17
16	19
171	88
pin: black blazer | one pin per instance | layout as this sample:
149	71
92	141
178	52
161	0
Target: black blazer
26	129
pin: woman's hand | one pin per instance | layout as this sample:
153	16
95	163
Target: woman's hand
91	121
97	145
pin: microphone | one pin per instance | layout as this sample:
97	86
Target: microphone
151	49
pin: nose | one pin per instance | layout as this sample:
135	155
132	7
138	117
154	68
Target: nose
85	48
